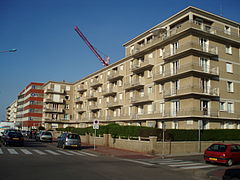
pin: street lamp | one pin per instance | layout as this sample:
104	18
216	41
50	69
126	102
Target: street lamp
10	50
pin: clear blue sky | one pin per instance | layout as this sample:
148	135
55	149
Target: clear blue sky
50	49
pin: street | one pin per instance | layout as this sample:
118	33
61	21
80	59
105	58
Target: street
38	160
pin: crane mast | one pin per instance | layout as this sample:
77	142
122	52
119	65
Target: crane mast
105	62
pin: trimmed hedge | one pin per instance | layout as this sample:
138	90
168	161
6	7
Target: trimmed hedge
170	134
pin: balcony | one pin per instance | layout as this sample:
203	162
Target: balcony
53	91
139	67
192	112
115	104
187	26
109	92
81	88
53	110
190	90
141	99
134	84
93	107
91	96
51	100
78	100
81	109
189	68
190	48
115	75
96	82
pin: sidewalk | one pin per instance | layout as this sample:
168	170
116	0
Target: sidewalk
108	151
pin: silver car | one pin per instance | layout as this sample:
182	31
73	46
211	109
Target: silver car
69	140
44	136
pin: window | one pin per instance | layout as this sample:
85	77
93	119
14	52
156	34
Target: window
67	106
160	88
149	108
67	97
140	109
121	67
228	49
227	30
175	86
149	73
189	122
230	86
204	104
229	67
174	47
120	96
120	82
100	100
67	88
150	90
175	107
174	67
161	107
131	49
204	63
161	69
222	106
161	51
175	124
230	107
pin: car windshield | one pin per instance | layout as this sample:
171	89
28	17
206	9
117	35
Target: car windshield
73	136
47	133
217	148
14	134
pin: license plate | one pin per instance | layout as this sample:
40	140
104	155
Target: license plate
74	145
15	138
213	159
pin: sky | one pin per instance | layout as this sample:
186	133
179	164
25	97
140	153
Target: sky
48	48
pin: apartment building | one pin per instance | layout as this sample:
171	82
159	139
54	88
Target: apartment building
178	74
11	112
29	106
58	105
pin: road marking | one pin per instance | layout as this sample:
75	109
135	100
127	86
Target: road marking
12	151
25	151
39	152
52	152
89	154
77	153
139	162
197	167
64	152
185	164
1	152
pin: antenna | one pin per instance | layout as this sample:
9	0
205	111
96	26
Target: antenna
221	9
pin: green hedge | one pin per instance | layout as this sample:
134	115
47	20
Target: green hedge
170	134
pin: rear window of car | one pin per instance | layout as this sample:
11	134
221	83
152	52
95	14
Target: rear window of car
73	136
217	148
14	134
47	133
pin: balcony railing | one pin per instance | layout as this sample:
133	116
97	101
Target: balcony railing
81	88
78	100
53	91
109	91
193	46
96	82
93	107
134	84
113	104
209	91
53	110
220	32
138	67
138	99
51	100
91	96
192	112
81	109
184	68
115	75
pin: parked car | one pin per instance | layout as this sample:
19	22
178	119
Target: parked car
231	174
24	133
44	136
12	138
223	153
69	140
8	130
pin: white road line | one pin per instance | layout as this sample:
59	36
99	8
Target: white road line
139	162
89	154
12	151
185	164
25	151
39	152
197	167
64	152
52	152
168	163
77	153
1	152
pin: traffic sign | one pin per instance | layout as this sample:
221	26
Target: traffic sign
95	124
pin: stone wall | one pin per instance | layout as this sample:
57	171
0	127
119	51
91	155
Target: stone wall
151	145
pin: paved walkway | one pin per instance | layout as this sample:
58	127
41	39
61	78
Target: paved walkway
108	151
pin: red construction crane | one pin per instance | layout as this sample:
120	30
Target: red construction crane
105	62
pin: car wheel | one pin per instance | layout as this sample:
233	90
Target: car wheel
5	143
229	162
207	162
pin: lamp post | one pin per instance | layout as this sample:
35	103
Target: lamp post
9	50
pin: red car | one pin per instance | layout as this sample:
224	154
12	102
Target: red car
223	153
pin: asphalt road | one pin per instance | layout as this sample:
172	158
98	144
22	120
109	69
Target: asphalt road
38	161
